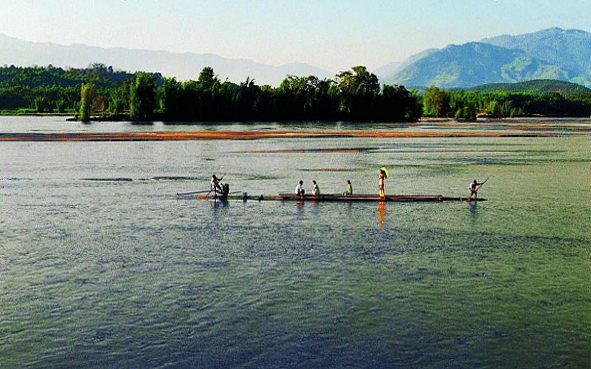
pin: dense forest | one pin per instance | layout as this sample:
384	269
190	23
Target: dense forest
353	95
538	86
99	92
462	104
56	90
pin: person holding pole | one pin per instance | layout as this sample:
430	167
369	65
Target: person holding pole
474	187
381	179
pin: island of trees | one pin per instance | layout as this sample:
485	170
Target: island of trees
99	92
354	95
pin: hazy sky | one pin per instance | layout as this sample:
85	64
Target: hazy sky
332	34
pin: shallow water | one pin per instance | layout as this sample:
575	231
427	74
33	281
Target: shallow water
101	265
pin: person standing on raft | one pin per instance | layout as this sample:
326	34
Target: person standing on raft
474	189
299	190
349	191
316	189
215	185
382	178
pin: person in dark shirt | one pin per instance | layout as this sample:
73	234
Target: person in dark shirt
474	189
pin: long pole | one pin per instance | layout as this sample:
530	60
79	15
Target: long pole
191	193
482	184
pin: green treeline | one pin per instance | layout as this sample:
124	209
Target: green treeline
99	91
57	90
354	95
461	104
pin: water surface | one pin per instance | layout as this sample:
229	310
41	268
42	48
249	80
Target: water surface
102	266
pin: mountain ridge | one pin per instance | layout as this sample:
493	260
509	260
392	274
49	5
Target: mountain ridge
390	69
183	66
552	53
567	48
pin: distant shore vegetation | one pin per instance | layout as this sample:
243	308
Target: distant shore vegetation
100	92
467	104
353	95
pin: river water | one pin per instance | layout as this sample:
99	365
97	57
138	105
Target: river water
102	266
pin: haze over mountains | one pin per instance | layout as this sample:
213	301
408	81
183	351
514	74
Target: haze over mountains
548	54
184	66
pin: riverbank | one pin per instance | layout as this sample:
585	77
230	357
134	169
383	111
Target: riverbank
30	113
248	135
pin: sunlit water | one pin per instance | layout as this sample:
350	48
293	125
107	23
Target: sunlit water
102	266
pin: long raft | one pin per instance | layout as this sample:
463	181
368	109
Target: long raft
341	198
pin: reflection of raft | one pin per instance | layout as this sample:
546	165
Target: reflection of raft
353	198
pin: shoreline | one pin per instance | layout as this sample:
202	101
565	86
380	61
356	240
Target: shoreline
248	135
124	118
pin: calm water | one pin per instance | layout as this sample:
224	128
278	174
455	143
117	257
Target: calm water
102	266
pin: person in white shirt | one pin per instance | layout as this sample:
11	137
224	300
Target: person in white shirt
299	190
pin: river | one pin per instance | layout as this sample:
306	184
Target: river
101	265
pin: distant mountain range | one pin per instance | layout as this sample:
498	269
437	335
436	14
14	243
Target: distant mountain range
183	66
549	54
389	70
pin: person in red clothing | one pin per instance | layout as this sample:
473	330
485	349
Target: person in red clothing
474	189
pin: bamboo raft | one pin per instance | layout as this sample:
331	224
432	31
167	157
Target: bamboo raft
342	198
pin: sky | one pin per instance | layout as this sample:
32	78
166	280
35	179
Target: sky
331	34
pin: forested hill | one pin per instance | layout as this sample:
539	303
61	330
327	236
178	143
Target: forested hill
548	54
32	77
55	90
536	86
475	63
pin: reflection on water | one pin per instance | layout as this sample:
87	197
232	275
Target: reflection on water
472	206
217	203
381	214
117	272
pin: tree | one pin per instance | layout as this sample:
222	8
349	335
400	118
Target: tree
358	89
436	102
359	77
494	109
207	78
245	99
100	104
397	104
142	97
171	98
87	93
469	111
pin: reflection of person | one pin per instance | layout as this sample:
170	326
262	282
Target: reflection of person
381	183
472	207
316	189
474	189
349	191
381	215
299	190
